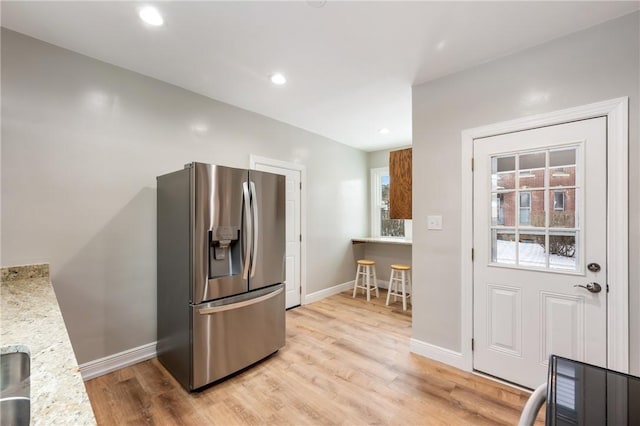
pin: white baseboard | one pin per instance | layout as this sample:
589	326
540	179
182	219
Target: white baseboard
322	294
98	367
446	356
383	283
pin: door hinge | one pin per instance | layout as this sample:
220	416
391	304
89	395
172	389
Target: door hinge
472	254
472	344
300	186
300	237
300	290
472	164
607	288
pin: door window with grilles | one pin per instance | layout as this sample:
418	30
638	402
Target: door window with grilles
536	209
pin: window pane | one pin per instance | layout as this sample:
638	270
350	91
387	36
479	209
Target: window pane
562	166
503	174
563	176
531	171
503	247
534	160
525	208
503	209
497	209
531	179
563	252
531	250
509	210
563	213
388	227
532	211
562	157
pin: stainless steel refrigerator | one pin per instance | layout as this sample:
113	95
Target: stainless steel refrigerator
221	254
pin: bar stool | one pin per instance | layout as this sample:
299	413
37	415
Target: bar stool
366	273
400	276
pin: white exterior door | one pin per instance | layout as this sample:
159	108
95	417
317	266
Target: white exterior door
539	231
293	231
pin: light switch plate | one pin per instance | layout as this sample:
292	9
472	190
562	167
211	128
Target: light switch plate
434	222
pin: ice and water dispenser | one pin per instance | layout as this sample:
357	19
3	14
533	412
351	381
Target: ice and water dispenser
224	251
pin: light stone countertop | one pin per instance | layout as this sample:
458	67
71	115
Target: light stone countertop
382	240
31	317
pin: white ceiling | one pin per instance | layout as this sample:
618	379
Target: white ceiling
350	65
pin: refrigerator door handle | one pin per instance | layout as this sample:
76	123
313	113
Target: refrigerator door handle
222	308
254	208
248	230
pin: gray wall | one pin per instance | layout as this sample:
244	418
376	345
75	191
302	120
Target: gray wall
82	143
381	158
593	65
384	255
378	158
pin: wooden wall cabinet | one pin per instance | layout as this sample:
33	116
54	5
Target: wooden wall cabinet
400	175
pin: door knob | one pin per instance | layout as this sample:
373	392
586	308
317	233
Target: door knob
592	287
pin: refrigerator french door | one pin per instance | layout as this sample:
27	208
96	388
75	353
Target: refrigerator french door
221	248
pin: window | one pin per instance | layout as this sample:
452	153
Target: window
558	200
381	225
525	208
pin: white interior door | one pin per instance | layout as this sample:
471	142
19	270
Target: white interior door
539	230
293	231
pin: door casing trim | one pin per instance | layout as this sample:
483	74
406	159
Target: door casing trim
617	113
254	160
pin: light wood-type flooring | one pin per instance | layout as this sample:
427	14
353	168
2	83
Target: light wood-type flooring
346	361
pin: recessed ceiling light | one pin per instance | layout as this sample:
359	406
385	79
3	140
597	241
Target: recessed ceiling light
151	16
278	79
383	131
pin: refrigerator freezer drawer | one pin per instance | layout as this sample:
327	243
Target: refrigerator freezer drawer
231	334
